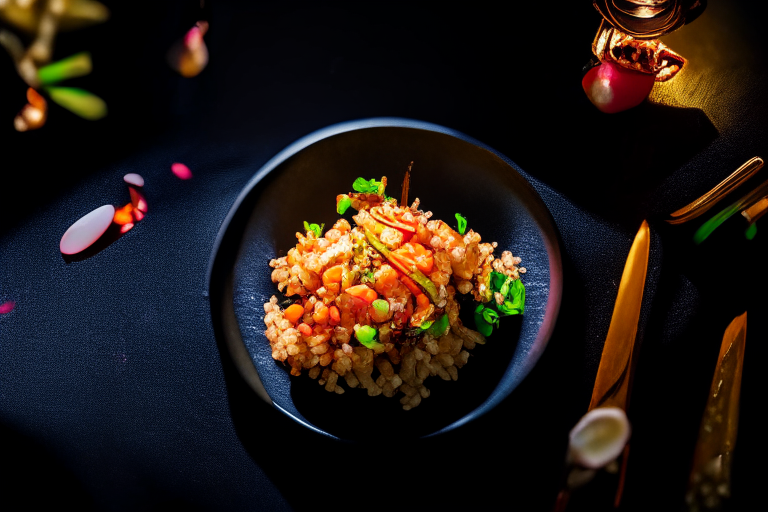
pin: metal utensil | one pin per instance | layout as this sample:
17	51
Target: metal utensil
709	482
744	204
610	394
719	191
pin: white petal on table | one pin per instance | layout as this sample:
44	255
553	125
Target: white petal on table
134	179
89	228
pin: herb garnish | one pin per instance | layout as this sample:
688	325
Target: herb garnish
317	230
462	223
487	315
368	186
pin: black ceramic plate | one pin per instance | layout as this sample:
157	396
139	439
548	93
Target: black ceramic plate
451	173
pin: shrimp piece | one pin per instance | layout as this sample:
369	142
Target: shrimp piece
451	306
391	237
465	267
423	235
385	280
366	221
400	304
443	237
343	226
424	309
310	280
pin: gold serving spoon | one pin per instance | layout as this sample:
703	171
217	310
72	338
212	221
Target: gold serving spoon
709	199
710	478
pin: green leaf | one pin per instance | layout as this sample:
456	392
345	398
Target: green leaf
751	231
497	281
491	316
365	186
506	287
462	223
482	326
425	325
317	230
517	294
76	65
439	327
509	308
343	205
78	101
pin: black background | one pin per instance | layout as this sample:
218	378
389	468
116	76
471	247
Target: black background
115	393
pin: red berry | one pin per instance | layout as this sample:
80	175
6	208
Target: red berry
612	88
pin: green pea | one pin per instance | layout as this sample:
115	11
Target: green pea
365	334
381	306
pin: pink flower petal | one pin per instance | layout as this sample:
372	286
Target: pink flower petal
83	233
7	307
134	179
181	171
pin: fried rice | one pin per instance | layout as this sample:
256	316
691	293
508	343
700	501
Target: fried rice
375	306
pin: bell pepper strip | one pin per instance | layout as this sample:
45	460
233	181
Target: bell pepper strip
413	273
410	284
391	222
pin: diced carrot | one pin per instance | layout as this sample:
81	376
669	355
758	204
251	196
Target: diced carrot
335	316
422	300
320	316
304	329
363	292
333	275
357	290
293	313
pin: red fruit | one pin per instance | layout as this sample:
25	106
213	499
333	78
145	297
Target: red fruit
612	88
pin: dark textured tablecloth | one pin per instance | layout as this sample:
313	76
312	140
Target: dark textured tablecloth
115	393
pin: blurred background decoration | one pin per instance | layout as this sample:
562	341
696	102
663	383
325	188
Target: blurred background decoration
28	33
628	56
189	55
